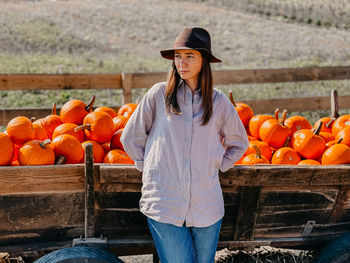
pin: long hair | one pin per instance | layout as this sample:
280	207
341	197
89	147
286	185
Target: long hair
205	85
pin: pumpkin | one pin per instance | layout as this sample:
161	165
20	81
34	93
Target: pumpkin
98	126
295	123
336	154
68	147
240	160
50	122
344	135
309	162
274	132
285	155
327	123
117	156
36	152
264	148
245	112
127	110
115	141
74	111
255	122
106	147
340	123
97	151
327	136
40	133
7	149
309	144
20	129
119	122
255	158
108	110
69	128
14	161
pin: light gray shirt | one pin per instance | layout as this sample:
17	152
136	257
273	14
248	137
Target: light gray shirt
180	159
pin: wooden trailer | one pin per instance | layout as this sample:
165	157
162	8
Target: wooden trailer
47	208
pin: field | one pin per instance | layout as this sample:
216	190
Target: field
72	36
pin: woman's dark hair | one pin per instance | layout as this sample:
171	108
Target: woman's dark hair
205	85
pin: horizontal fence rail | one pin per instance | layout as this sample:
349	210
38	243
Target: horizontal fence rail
129	81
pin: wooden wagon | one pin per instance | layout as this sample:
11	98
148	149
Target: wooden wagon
46	208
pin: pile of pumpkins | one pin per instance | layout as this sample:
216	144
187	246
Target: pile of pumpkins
293	140
61	139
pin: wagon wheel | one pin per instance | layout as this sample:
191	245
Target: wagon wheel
337	251
79	254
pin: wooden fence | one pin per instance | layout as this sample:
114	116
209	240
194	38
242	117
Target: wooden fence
128	81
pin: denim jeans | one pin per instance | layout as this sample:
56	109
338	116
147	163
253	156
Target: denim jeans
184	244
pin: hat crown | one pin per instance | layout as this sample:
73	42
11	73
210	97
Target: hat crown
193	37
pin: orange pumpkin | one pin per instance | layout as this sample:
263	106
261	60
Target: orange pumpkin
336	154
50	122
119	122
117	156
98	126
20	129
74	111
7	149
327	136
106	147
40	133
285	155
344	135
340	123
264	148
327	123
127	110
255	122
309	162
97	151
295	123
255	158
108	110
36	152
14	161
245	112
68	128
69	147
309	144
115	141
274	132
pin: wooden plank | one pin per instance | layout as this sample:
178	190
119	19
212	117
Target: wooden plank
41	179
247	212
225	77
342	204
127	85
59	81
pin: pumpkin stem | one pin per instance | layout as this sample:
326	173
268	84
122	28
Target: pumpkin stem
277	113
44	143
91	103
231	98
54	110
340	140
318	129
61	160
328	124
284	115
86	126
32	119
257	151
286	142
334	104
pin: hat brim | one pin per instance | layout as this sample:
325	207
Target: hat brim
169	53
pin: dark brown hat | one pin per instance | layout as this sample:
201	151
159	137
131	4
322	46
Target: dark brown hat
191	38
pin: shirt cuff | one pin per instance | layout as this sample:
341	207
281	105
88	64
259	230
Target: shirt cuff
226	165
139	165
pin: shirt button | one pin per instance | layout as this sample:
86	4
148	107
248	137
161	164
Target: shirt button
187	139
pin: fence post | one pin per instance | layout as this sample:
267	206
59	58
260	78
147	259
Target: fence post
127	87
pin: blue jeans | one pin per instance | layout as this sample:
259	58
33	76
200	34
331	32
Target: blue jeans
184	244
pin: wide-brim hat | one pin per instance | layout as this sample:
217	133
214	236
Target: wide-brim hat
191	38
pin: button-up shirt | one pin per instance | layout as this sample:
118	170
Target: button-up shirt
180	159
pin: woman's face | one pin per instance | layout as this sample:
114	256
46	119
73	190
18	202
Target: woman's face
188	63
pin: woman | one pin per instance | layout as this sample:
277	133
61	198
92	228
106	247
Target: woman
180	135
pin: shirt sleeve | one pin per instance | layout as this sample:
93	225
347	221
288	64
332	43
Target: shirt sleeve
235	139
136	131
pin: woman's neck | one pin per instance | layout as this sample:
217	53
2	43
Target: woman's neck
192	84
